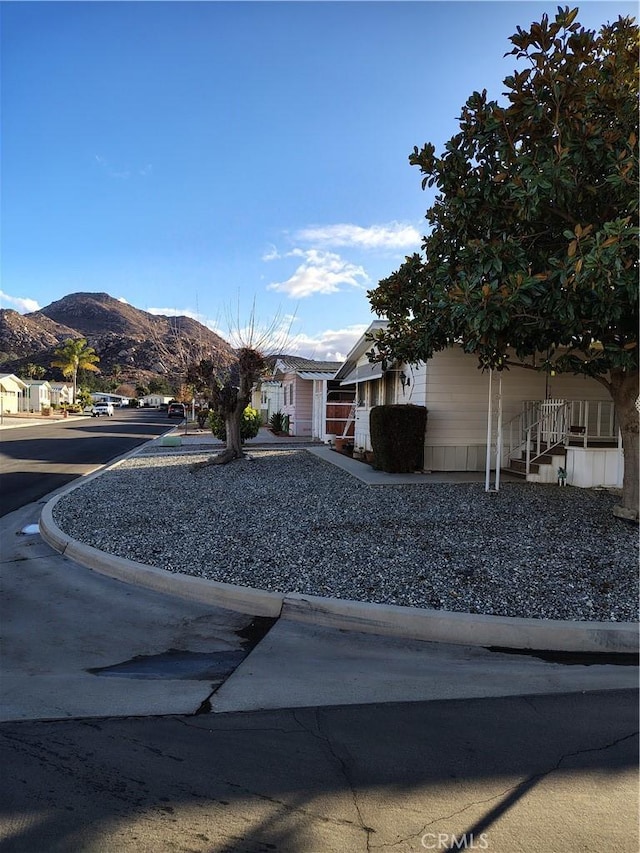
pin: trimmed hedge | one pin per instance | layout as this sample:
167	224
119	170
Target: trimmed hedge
397	437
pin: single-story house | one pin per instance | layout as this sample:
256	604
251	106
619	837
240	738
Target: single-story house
564	420
304	389
12	394
104	397
154	401
61	393
38	394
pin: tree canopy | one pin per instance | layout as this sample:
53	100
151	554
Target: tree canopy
532	252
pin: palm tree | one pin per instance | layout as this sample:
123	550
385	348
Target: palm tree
74	355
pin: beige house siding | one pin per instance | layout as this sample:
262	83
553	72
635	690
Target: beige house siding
61	393
456	396
154	401
12	394
38	395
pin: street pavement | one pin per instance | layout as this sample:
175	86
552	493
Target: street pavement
136	720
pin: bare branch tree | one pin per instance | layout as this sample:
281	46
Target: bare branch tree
230	388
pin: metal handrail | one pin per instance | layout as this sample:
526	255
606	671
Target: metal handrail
551	430
582	420
531	419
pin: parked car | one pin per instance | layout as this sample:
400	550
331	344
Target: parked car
102	409
177	410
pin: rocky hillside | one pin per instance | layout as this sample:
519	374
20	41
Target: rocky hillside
22	334
132	343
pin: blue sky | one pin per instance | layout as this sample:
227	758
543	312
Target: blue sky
197	157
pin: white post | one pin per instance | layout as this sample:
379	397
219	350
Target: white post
487	477
620	471
499	436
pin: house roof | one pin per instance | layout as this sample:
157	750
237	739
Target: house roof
295	364
348	371
35	382
316	374
7	380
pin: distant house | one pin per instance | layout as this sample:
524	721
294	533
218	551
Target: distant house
12	394
302	388
104	397
38	394
61	393
154	401
565	420
267	397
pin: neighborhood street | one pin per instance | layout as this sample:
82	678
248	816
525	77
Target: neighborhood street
35	460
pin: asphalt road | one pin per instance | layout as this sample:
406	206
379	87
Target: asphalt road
36	460
528	774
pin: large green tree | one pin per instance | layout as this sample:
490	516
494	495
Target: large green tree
75	354
532	253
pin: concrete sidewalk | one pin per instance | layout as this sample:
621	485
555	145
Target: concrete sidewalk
15	422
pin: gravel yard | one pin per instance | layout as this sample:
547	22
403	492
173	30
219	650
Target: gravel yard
290	522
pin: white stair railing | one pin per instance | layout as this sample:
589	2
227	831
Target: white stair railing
546	424
548	432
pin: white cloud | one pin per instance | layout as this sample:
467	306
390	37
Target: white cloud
23	305
394	235
214	325
122	173
271	337
329	345
321	272
175	312
272	254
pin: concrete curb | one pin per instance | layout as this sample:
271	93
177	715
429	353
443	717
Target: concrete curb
467	629
256	602
383	619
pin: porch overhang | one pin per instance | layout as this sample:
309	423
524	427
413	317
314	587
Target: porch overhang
362	373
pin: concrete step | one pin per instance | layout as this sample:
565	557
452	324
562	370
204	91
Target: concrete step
515	472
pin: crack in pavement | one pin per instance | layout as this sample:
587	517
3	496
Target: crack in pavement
237	787
510	795
324	738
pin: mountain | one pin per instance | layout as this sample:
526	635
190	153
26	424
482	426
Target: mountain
22	334
133	343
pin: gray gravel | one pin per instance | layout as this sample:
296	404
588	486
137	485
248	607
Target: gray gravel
290	522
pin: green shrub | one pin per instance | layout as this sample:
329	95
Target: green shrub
249	426
202	416
397	437
279	422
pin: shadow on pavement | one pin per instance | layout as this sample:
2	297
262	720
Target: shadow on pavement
528	773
